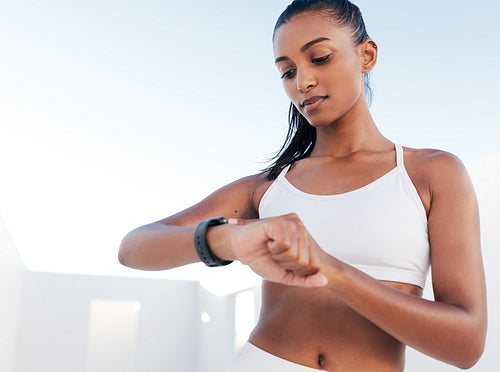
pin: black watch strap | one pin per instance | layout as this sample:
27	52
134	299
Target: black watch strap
200	242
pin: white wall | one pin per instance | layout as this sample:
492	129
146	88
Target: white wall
54	323
12	271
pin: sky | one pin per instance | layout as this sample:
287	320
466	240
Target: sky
114	114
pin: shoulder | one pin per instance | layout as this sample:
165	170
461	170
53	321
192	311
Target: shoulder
247	186
261	184
434	155
436	171
251	183
234	200
433	164
252	187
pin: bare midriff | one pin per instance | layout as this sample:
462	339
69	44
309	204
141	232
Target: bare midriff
309	326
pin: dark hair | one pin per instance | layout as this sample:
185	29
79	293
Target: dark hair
301	136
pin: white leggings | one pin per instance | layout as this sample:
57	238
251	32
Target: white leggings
252	359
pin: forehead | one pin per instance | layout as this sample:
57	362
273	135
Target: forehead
303	28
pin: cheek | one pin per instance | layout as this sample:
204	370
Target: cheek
290	90
347	83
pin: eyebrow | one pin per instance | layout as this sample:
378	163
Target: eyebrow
304	48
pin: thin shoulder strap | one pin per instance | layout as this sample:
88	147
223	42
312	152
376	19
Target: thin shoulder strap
283	171
399	155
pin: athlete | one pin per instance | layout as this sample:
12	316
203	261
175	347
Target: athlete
343	226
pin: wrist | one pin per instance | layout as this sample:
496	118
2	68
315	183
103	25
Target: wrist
202	247
218	238
335	270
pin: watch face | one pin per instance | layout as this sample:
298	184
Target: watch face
217	221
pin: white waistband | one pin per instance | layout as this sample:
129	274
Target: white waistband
252	359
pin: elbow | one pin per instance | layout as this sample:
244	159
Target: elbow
125	252
470	359
473	339
472	352
122	257
467	364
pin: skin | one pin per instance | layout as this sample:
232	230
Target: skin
316	310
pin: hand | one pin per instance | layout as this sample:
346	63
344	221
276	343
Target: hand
279	249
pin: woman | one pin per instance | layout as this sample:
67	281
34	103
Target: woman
343	226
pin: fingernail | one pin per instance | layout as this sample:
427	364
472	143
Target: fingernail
323	280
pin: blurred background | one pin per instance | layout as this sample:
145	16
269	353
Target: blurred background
114	114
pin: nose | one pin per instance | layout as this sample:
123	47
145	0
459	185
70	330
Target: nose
305	81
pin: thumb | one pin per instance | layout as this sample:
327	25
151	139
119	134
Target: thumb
316	280
240	221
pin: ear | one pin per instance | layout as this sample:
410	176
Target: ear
369	52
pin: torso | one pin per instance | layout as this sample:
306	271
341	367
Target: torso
311	327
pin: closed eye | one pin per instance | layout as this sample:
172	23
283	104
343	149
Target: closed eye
321	59
288	74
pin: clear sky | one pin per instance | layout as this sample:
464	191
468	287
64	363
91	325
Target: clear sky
114	114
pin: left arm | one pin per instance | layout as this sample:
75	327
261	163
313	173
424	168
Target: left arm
453	327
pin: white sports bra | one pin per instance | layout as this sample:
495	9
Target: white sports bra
380	228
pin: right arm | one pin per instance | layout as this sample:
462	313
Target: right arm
278	249
168	243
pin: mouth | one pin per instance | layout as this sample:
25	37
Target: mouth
313	102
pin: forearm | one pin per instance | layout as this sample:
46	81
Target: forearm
157	246
445	331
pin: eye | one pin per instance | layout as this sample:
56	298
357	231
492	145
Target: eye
321	59
288	74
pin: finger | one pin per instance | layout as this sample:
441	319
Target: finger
315	261
298	268
315	280
304	270
313	264
303	257
296	256
281	236
308	262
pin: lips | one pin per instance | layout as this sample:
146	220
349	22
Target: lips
313	102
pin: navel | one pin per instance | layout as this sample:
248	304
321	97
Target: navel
321	360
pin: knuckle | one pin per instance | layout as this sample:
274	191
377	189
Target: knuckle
301	228
314	266
302	263
291	255
285	243
291	217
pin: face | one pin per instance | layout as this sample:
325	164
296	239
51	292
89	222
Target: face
321	68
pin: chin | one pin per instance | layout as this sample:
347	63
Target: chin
319	122
322	117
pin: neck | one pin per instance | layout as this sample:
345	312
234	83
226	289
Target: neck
354	131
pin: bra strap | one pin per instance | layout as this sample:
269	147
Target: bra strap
399	155
283	171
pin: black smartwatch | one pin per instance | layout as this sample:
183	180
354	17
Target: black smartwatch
200	242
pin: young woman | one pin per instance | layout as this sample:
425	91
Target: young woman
343	226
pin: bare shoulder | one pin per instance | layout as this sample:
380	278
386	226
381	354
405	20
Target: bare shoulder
248	183
254	186
234	200
434	164
435	171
